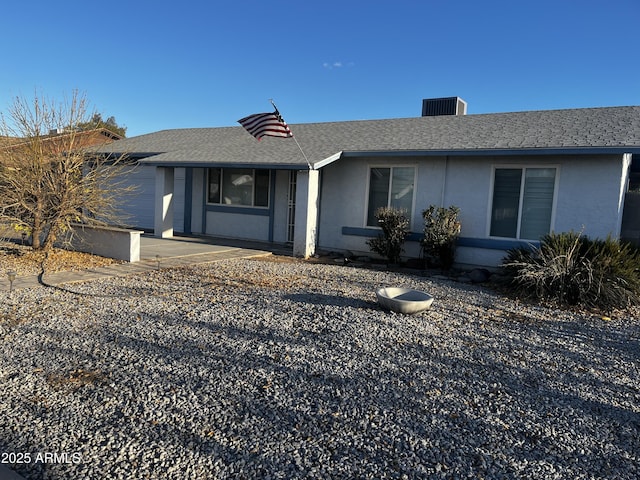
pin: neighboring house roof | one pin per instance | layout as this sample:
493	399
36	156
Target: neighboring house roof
55	142
8	140
595	130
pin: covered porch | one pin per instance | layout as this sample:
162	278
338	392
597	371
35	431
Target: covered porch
286	214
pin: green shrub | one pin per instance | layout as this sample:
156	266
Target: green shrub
395	227
574	270
441	229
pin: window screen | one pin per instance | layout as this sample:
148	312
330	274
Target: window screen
239	186
390	187
522	202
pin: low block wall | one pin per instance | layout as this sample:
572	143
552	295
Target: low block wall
118	243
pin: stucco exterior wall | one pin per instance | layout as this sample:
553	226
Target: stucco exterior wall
139	206
178	199
108	242
344	199
238	225
305	238
587	196
249	223
342	194
245	223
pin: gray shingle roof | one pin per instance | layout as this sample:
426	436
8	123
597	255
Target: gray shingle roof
588	129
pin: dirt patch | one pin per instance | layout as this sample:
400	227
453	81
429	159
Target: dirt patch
25	261
76	379
324	259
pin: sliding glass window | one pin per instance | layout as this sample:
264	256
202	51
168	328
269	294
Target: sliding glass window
239	186
390	187
522	204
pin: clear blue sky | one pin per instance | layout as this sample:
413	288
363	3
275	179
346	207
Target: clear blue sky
202	63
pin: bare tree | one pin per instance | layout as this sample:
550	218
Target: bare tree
48	178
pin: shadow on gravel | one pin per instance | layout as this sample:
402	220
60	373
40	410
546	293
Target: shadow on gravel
330	300
138	291
272	400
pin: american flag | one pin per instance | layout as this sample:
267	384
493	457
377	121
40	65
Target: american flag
266	124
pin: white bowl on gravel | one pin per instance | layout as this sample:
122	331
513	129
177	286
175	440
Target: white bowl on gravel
403	300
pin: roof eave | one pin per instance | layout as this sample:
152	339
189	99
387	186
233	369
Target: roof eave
147	158
328	160
212	164
486	152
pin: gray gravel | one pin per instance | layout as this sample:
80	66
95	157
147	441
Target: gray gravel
263	369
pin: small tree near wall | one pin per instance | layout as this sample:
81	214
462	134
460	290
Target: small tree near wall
395	227
441	229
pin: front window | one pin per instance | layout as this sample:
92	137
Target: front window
239	186
390	187
522	202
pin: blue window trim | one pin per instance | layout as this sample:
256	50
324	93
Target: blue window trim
494	243
488	243
374	232
188	199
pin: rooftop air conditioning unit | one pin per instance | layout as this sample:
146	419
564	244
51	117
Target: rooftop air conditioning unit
432	107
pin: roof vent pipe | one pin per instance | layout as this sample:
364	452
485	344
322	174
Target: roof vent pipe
432	107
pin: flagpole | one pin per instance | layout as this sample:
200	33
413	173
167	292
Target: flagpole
294	139
302	152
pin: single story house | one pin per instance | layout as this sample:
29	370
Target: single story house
514	176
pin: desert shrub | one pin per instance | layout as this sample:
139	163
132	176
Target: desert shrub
441	229
572	269
395	227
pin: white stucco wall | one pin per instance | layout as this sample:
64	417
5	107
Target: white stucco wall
305	237
178	199
342	195
344	199
119	243
588	195
139	205
238	225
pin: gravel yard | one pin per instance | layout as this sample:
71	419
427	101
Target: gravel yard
278	370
